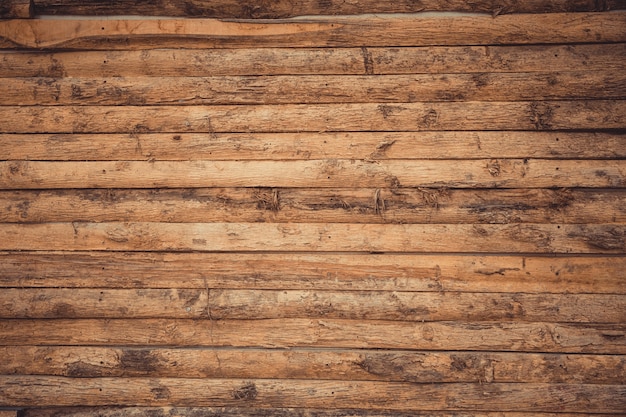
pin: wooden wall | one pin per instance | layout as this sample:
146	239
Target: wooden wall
353	213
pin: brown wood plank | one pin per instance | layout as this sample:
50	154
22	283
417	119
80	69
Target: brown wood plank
331	173
372	272
315	61
20	390
348	365
278	9
321	333
16	9
320	237
318	89
536	115
309	205
372	146
8	413
262	412
221	304
367	30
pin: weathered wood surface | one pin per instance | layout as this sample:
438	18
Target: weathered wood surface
16	9
310	205
333	173
348	365
371	272
320	237
371	146
262	412
315	61
281	9
475	115
319	333
8	413
319	89
221	304
298	393
345	31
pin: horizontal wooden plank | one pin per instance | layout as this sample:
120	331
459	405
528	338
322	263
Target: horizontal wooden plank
345	31
321	333
348	365
262	412
309	205
372	272
8	413
269	304
321	237
371	146
314	61
20	391
16	9
536	115
330	173
276	89
278	9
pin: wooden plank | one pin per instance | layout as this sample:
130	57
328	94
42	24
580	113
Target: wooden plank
536	115
348	365
314	61
331	173
309	205
262	412
278	9
221	304
8	413
20	390
345	31
316	89
320	237
321	333
371	146
371	272
16	9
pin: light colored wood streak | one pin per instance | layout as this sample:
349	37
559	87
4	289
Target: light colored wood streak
310	205
370	272
20	390
321	333
543	115
372	146
495	173
322	237
278	89
379	30
276	9
348	365
221	304
314	61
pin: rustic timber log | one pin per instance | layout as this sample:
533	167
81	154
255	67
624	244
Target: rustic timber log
221	304
309	205
16	9
353	31
281	9
345	365
574	274
316	61
319	333
318	237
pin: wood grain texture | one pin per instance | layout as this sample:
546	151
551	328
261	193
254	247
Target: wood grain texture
281	9
325	237
535	115
221	304
347	365
262	412
313	89
369	272
310	205
315	61
16	9
319	333
333	173
371	146
378	30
